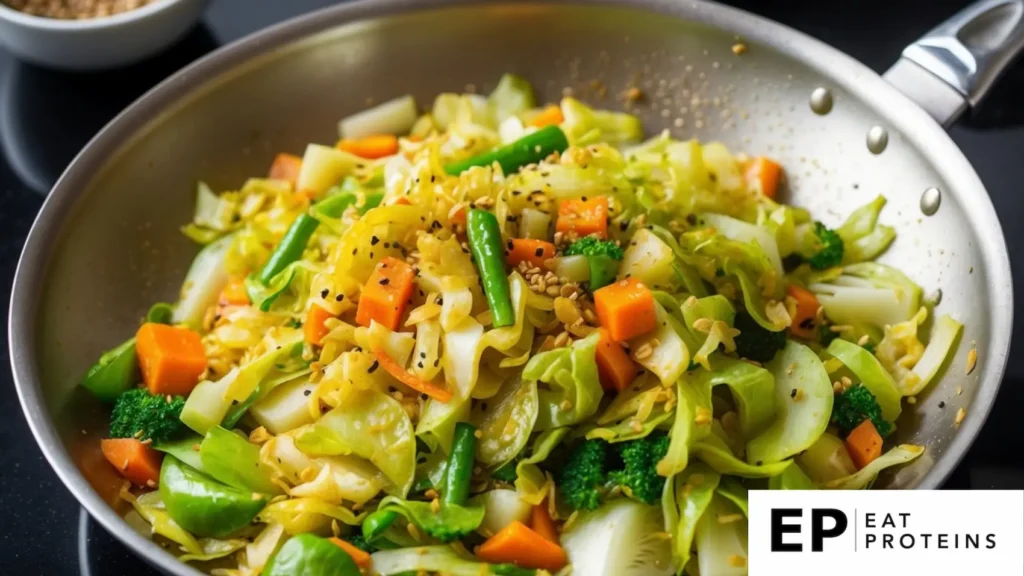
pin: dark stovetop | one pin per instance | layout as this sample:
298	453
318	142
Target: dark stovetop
45	118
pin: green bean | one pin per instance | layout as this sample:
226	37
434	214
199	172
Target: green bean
529	149
375	524
486	244
460	465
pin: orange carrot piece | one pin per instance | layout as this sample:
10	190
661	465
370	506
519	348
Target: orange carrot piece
460	215
583	217
518	544
370	147
550	116
386	294
763	174
614	366
626	309
805	320
411	380
528	250
233	294
171	358
864	444
134	460
285	167
542	523
313	328
360	557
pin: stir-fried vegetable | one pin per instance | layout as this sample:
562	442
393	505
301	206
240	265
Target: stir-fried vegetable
493	337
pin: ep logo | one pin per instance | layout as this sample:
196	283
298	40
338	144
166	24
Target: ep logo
825	523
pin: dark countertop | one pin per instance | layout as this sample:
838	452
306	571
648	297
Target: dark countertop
45	117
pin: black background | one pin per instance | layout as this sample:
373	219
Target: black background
45	118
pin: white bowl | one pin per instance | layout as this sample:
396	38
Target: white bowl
97	42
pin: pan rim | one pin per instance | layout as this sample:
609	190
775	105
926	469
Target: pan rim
831	63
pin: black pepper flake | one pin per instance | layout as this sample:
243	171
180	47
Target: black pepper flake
373	367
374	240
623	225
942	404
435	225
436	362
419	364
355	251
516	192
324	293
339	297
760	463
423	354
424	396
432	178
307	392
583	198
511	245
539	252
387	245
792	393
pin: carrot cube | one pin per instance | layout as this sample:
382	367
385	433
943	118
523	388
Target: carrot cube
386	294
584	217
285	167
626	309
614	366
171	358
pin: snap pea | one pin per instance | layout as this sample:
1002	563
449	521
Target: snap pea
529	149
202	505
235	461
486	244
309	555
116	371
460	464
294	242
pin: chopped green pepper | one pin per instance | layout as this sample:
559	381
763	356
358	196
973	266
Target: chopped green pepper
488	250
529	149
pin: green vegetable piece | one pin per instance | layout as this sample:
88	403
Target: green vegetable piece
584	475
235	461
116	371
460	465
202	505
855	405
603	270
529	149
488	251
290	248
827	248
139	414
506	473
640	460
449	523
184	449
683	504
309	555
160	313
377	523
755	342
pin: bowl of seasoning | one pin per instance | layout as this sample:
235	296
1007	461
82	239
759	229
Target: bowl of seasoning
93	34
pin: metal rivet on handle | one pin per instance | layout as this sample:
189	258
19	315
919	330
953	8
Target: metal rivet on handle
930	200
821	101
878	139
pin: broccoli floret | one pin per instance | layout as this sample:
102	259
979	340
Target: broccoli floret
155	417
755	341
640	460
826	335
591	246
356	539
584	475
855	405
828	248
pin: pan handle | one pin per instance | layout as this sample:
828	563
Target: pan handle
954	65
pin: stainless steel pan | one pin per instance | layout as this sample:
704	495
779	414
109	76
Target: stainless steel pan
106	243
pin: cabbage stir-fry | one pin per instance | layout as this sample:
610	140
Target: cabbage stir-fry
509	338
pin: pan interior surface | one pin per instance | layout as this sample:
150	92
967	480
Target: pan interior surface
108	243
